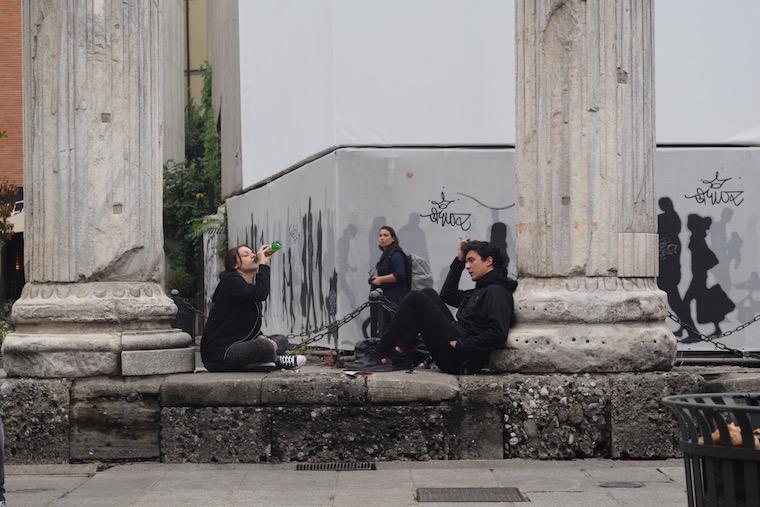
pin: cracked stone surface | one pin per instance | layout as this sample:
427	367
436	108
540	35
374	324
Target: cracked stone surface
556	416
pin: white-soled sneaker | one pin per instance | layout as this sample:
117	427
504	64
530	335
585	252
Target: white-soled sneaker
290	362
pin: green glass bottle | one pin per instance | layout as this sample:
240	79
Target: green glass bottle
276	245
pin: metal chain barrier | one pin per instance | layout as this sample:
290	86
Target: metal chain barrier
186	304
331	327
718	345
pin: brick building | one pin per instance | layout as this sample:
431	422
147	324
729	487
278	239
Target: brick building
11	103
12	146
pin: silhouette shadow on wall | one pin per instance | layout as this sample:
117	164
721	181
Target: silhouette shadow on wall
712	303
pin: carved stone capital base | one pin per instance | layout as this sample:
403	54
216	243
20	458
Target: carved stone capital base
115	305
95	328
587	348
589	299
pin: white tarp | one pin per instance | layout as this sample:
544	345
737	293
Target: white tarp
327	214
326	73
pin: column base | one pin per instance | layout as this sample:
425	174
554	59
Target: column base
588	324
88	355
587	348
95	328
61	355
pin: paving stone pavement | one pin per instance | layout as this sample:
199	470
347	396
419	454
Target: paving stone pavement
545	483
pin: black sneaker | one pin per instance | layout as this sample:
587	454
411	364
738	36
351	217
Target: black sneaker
394	362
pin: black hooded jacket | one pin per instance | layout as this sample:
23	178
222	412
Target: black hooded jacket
235	314
484	314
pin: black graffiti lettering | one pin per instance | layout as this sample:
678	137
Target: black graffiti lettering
443	218
443	203
713	192
703	196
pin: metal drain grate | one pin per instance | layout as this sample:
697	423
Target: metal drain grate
470	495
338	467
621	484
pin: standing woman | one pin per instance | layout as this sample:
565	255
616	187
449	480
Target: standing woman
391	268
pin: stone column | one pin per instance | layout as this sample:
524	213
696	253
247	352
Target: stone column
93	303
586	224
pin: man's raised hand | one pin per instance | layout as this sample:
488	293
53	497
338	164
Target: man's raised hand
460	247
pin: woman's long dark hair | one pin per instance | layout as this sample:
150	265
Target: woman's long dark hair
393	235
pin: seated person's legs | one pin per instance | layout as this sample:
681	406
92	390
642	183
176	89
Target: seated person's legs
281	341
282	360
249	355
425	313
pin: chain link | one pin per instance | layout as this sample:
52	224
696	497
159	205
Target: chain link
718	345
331	327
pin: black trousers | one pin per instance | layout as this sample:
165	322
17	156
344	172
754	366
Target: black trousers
247	355
423	312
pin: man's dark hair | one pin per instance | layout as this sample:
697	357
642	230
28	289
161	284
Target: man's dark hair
485	250
232	258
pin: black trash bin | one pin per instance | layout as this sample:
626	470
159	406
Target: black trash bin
717	472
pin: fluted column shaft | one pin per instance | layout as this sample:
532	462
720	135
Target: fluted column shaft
585	136
93	165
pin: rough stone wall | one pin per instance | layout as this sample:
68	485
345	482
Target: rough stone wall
328	416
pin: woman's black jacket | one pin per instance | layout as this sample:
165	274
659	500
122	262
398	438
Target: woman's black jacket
235	314
393	261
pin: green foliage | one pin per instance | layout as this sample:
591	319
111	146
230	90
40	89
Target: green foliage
7	204
6	323
178	278
192	189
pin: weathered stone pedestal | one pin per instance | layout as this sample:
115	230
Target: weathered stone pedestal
587	245
93	133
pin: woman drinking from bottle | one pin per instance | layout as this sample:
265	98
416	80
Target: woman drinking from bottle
232	340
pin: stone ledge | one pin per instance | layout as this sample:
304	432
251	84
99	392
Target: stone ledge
294	388
321	414
212	390
734	383
419	387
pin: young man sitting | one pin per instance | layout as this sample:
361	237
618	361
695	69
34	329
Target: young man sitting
483	317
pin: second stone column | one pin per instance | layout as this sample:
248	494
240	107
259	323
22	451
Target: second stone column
586	223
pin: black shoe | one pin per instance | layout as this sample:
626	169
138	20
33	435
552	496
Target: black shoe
357	364
376	362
